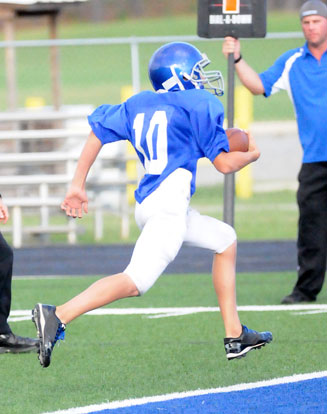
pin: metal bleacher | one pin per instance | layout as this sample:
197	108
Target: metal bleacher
39	150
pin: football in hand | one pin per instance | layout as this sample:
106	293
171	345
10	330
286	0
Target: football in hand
238	140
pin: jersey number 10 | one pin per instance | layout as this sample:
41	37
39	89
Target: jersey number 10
154	143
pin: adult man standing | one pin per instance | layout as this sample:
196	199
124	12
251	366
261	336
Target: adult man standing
9	342
302	72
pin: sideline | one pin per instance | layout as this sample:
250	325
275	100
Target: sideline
97	408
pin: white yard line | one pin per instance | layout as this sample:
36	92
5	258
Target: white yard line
22	315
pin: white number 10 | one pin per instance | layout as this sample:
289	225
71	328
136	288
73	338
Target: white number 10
155	140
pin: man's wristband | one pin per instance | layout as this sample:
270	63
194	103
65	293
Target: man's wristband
238	59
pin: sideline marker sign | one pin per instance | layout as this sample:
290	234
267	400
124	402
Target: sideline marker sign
236	18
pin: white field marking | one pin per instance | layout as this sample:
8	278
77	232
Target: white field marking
46	277
313	312
168	397
24	315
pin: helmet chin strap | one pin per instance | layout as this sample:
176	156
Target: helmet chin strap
174	80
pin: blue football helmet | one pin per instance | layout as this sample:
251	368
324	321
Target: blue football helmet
178	66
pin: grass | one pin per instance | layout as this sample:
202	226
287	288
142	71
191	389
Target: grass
264	216
106	358
96	74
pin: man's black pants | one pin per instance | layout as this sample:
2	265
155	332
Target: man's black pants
6	264
312	231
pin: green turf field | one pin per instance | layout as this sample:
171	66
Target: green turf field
106	358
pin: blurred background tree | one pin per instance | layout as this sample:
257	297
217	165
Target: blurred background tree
104	10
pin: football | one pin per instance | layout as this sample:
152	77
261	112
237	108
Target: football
238	140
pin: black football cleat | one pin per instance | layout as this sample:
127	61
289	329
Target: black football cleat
14	344
49	328
248	340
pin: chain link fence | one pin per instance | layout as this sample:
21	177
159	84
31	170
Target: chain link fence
94	71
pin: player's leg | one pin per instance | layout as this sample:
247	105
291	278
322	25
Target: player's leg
100	293
163	215
207	232
154	249
152	253
224	281
50	321
157	245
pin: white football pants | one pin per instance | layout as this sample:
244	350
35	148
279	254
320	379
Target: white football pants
167	221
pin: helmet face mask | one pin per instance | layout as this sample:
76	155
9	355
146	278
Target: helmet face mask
207	79
179	66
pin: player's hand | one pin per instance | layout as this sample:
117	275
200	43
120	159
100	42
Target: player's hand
75	202
253	148
4	215
231	45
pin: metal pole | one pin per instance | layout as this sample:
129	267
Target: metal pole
10	62
135	61
229	180
54	61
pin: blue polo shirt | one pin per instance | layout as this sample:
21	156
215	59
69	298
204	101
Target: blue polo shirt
305	80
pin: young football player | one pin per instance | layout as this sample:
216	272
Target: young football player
170	129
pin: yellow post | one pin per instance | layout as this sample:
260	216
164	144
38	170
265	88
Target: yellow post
131	165
34	102
243	118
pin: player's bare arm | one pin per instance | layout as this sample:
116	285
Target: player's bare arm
76	201
229	162
4	215
248	76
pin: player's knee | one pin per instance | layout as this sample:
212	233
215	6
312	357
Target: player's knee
229	238
131	287
134	292
142	285
139	283
232	236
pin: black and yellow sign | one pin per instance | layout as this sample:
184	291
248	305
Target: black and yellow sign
237	18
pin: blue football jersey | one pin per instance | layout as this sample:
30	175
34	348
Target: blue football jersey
168	131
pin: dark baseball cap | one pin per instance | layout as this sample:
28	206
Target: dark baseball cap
313	7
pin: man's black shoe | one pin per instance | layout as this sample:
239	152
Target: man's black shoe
16	344
294	298
248	340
